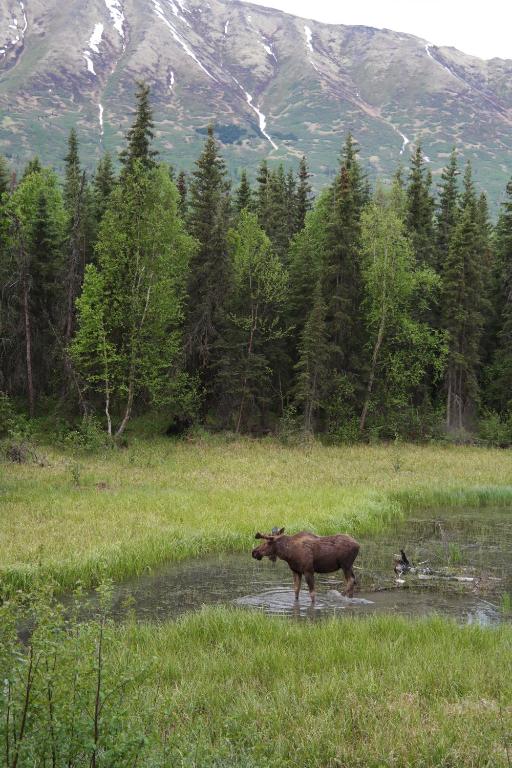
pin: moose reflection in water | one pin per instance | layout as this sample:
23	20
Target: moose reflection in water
307	554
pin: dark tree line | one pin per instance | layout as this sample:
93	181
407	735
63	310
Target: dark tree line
384	312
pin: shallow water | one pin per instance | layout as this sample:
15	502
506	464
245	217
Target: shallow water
472	545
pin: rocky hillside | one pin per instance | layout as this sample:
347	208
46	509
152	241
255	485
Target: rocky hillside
273	84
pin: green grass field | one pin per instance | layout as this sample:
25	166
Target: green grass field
120	512
271	692
226	687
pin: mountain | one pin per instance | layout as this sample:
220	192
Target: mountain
274	85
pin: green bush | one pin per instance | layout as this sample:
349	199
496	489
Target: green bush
62	701
87	436
7	415
495	429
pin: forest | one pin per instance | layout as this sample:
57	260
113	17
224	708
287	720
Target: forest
364	314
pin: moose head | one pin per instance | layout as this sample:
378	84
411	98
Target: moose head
268	547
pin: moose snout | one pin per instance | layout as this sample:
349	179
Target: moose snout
257	554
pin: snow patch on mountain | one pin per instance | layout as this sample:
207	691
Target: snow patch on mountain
101	110
406	141
95	38
261	117
116	14
25	20
226	26
161	15
90	63
94	42
309	38
268	49
178	12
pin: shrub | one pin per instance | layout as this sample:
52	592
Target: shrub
496	430
62	700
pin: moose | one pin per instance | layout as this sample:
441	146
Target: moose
307	554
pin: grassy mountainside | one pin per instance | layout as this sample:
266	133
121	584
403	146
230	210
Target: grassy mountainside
273	83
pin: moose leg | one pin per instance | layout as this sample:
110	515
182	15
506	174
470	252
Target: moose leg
297	578
310	579
351	580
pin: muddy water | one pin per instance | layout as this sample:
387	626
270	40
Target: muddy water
469	552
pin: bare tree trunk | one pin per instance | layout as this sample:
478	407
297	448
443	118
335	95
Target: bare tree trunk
73	266
131	375
376	348
449	399
28	344
249	353
371	380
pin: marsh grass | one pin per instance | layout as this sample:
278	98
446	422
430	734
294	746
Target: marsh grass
270	692
126	511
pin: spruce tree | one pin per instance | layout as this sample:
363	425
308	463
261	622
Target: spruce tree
255	320
342	276
79	246
5	176
182	186
499	385
103	184
447	210
276	223
208	222
33	166
420	209
243	200
303	198
312	366
463	310
141	134
262	193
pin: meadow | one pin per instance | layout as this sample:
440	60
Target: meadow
232	687
117	513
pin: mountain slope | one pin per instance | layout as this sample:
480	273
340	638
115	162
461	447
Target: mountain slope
274	84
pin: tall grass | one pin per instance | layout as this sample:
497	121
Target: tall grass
270	692
161	500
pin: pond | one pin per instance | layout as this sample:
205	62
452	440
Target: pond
464	563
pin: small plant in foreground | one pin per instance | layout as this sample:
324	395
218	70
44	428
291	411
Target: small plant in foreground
61	702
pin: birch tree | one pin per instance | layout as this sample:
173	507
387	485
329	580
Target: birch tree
400	347
128	342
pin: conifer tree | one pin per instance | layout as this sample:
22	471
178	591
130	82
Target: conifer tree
462	310
208	221
303	203
5	176
262	193
448	208
276	223
33	166
312	366
79	246
243	194
255	318
420	209
141	134
103	184
499	384
342	277
34	270
182	187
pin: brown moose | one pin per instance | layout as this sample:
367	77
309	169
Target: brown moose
307	554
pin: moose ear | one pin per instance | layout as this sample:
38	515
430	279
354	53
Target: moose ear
258	536
280	532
